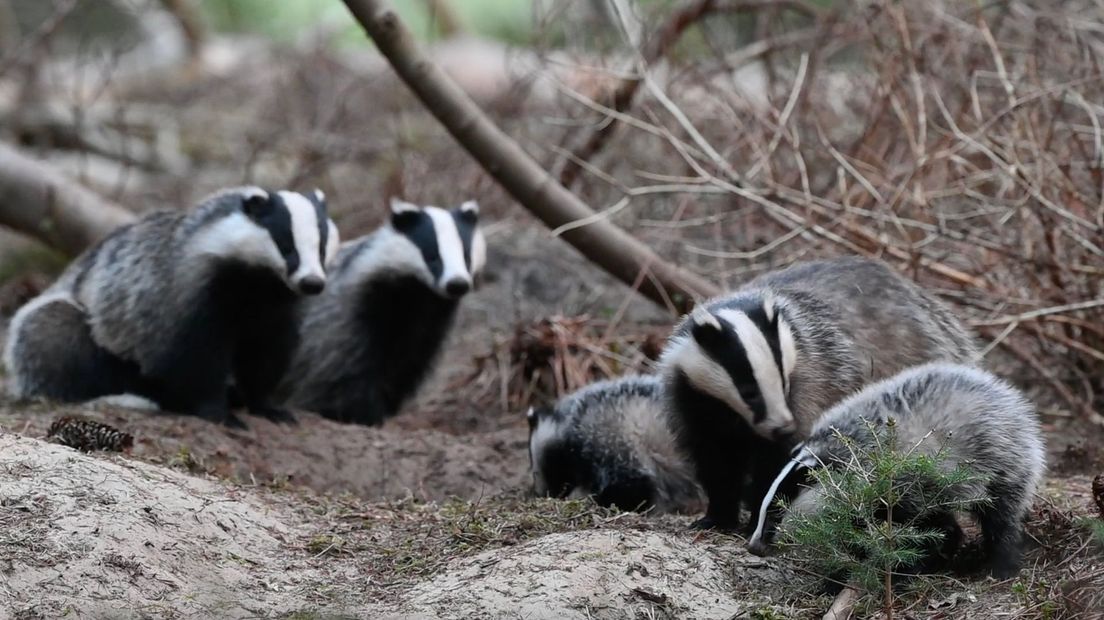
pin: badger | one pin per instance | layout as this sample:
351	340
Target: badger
612	441
748	373
967	417
179	305
370	339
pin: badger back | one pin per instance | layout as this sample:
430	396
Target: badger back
138	283
963	412
891	322
792	343
965	415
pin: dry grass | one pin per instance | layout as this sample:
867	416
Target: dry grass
547	359
961	142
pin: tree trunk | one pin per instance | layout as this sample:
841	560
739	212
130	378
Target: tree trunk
605	244
39	201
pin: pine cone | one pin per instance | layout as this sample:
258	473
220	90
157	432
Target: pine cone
1098	493
88	435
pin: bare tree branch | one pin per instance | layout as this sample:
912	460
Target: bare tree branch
844	605
188	15
613	249
37	200
651	51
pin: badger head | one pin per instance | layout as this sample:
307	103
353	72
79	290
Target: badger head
287	232
450	244
550	456
743	358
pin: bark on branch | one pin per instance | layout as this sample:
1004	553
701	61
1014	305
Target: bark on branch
39	201
611	248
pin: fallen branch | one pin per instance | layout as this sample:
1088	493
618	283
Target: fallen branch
843	606
605	244
38	201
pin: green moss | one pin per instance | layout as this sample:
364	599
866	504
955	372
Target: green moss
35	258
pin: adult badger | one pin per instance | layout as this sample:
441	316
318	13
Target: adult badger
965	415
179	304
612	441
371	338
749	373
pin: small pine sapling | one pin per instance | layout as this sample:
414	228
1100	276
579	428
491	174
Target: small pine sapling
874	515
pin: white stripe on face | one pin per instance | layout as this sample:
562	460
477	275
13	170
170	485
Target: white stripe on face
307	236
709	377
236	236
767	374
333	242
788	349
449	246
547	431
478	252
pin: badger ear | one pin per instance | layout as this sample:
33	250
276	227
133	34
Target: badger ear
704	325
255	204
400	206
403	214
470	210
320	196
531	417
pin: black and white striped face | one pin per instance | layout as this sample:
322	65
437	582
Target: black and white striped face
744	358
450	242
550	460
285	231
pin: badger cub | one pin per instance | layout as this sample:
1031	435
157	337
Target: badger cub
967	415
178	305
612	441
371	338
748	373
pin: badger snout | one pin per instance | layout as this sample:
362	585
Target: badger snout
786	436
311	285
457	287
758	547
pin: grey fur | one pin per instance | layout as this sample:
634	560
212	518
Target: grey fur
127	297
371	338
741	394
621	449
854	320
976	420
